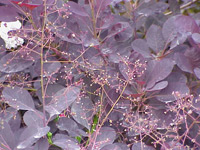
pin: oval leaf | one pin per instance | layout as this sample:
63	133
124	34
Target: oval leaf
176	82
83	111
31	135
70	126
8	13
197	72
143	146
77	9
62	100
175	29
14	62
140	46
105	136
155	38
159	86
18	98
31	118
196	37
7	138
156	72
111	146
66	142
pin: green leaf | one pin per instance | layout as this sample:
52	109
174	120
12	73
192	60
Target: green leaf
49	136
95	121
56	119
78	138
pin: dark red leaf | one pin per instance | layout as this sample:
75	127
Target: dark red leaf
136	95
29	6
140	82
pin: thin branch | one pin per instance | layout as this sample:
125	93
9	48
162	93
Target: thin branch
183	6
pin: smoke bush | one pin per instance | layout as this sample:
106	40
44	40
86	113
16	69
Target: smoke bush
99	75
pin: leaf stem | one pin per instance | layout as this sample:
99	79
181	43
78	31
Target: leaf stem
93	18
42	64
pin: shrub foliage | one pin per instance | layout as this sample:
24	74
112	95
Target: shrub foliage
100	75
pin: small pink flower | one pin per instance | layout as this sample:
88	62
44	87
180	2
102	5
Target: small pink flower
62	115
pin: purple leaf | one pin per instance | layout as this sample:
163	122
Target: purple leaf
51	68
141	145
62	100
35	118
3	76
18	98
77	9
183	62
111	146
66	142
105	136
70	29
156	72
176	82
7	138
15	122
122	146
113	79
107	20
116	114
102	4
155	38
193	131
70	126
193	54
174	6
191	26
112	98
175	29
8	114
92	60
156	19
154	103
41	144
13	62
196	37
31	134
83	111
164	118
49	2
88	40
116	51
126	70
140	46
121	31
197	72
8	13
2	44
159	86
12	117
133	68
175	145
168	30
5	2
51	89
